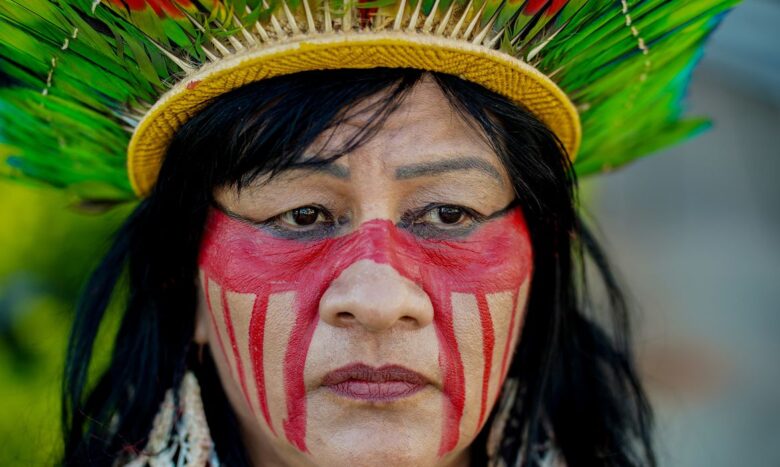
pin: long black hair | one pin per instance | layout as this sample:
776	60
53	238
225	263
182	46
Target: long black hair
577	383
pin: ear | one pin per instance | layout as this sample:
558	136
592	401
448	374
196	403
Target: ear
201	334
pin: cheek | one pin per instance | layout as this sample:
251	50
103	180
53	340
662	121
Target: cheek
249	333
486	331
477	287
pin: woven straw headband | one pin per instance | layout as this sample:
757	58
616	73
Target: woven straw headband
495	71
103	86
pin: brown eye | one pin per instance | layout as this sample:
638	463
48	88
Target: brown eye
450	214
305	215
442	221
304	222
446	216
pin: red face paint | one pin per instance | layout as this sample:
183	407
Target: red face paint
495	257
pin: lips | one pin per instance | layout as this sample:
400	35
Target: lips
363	382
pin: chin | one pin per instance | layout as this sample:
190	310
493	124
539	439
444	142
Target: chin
375	452
376	441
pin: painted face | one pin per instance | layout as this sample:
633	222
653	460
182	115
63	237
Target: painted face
374	322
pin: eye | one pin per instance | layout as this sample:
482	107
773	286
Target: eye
447	216
305	216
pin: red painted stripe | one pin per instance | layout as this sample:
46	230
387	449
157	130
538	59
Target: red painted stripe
452	368
257	337
234	344
510	335
213	318
294	363
488	341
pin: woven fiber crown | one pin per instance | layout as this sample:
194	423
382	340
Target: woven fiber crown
495	71
93	91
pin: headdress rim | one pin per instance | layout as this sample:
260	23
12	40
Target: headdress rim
497	71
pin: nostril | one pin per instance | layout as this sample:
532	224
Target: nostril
408	320
345	316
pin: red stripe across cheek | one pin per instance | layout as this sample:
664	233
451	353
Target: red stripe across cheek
452	372
510	335
256	347
214	318
488	341
236	354
307	316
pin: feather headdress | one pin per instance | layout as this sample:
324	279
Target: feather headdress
93	91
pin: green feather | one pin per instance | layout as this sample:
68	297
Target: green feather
80	77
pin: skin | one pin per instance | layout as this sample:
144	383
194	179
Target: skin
411	255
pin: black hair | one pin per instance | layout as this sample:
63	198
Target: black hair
578	385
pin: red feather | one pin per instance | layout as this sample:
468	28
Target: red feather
533	7
555	7
161	7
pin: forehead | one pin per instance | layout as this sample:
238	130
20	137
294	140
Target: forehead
424	128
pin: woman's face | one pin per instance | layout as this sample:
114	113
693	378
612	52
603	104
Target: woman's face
364	312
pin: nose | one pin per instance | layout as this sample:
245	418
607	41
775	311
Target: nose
376	297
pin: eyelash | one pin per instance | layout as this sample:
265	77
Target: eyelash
411	219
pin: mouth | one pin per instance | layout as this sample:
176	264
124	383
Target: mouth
363	382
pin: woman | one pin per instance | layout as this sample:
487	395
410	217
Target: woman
358	246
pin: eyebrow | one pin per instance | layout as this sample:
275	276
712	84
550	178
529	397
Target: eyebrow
428	169
327	168
405	172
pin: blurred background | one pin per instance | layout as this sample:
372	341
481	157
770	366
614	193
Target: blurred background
694	233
